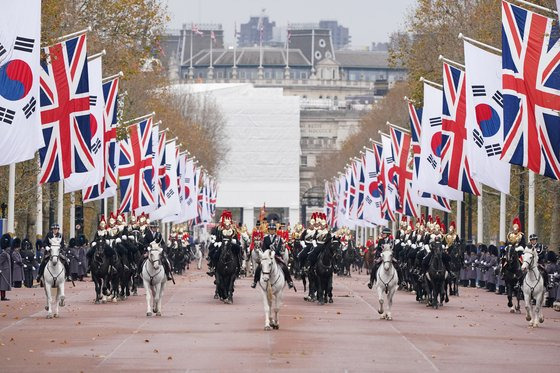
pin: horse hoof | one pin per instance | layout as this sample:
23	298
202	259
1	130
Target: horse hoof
275	327
97	301
148	314
158	314
114	300
330	300
389	318
216	296
267	328
46	308
49	316
103	301
528	318
512	311
541	319
517	311
55	315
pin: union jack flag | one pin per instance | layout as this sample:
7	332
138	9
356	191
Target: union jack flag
352	192
386	212
455	168
135	167
108	185
401	172
160	172
531	89
65	111
361	188
330	205
427	199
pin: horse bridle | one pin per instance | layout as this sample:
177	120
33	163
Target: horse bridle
269	273
392	277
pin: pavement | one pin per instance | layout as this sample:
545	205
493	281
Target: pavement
473	332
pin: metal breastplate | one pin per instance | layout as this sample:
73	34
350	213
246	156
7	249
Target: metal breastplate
450	239
514	238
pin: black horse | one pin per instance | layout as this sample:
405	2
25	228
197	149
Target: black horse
324	269
99	266
456	254
510	267
436	276
227	270
347	259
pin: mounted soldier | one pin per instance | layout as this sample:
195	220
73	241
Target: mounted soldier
53	234
385	239
541	253
306	240
274	243
515	237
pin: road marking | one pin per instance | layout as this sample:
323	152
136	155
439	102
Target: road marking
434	367
135	332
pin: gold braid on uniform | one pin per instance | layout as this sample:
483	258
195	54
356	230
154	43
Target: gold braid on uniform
514	238
450	239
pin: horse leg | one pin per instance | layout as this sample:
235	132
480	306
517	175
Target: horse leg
329	287
148	298
528	308
320	291
61	297
277	306
390	302
539	317
509	298
267	307
160	299
48	293
380	297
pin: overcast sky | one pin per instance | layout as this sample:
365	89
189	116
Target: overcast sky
368	20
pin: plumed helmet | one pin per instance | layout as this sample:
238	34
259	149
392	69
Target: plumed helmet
102	223
313	218
225	219
143	218
133	218
452	226
5	241
517	222
112	219
404	222
121	218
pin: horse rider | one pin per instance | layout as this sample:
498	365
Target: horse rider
541	252
217	238
274	242
53	233
323	238
515	237
452	238
306	240
153	235
383	240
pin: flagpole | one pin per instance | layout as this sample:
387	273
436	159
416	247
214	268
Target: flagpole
97	55
531	215
451	62
105	206
437	85
74	34
191	71
503	217
39	218
480	218
480	44
536	7
458	219
60	217
140	118
397	127
119	75
11	197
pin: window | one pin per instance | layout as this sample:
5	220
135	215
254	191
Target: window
303	75
220	74
303	160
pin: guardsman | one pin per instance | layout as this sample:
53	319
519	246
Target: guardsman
306	240
541	252
515	237
274	243
54	233
452	238
5	266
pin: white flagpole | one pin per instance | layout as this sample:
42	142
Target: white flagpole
211	42
503	217
11	197
479	219
39	218
191	66
312	52
183	46
72	215
115	203
458	220
531	222
60	217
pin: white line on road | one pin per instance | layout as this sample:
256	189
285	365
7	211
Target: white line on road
434	367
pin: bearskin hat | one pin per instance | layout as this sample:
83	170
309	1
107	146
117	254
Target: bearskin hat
16	243
26	244
5	241
72	243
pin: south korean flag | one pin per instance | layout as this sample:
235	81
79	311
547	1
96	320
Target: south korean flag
20	126
485	118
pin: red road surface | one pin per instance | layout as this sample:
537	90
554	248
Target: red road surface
474	333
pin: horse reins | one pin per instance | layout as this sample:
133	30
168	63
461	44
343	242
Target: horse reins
148	272
55	278
391	279
538	278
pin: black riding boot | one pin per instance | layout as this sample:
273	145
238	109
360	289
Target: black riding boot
167	268
373	274
257	276
287	275
42	268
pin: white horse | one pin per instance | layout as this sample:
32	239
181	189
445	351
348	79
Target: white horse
387	283
198	256
54	276
272	284
154	278
533	288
